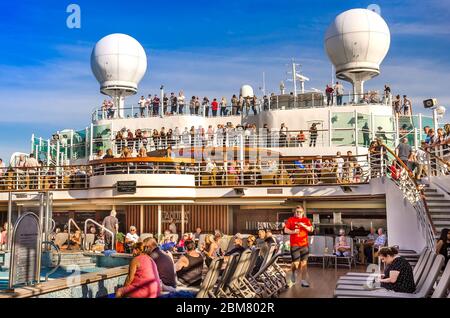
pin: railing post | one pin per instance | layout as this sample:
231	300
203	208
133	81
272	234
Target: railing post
330	129
416	143
382	171
420	127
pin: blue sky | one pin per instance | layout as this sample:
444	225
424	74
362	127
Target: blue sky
204	47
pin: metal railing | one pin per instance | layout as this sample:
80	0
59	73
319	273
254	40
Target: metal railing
267	103
69	222
58	251
104	229
261	170
438	160
387	163
252	138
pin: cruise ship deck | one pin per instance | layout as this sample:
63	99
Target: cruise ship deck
222	179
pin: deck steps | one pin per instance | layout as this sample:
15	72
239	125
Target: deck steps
439	207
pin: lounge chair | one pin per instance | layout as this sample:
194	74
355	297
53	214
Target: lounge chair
423	288
222	287
444	284
211	278
360	280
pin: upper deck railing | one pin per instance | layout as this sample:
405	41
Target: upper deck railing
264	171
275	102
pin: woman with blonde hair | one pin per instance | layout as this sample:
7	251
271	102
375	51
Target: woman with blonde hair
210	249
126	153
142	152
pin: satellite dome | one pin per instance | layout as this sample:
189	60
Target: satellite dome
357	42
118	62
246	91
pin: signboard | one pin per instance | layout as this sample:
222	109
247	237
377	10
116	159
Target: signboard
126	187
275	191
25	251
176	216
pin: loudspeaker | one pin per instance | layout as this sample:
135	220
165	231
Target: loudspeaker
428	103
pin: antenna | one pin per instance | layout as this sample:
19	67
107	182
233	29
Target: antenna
264	83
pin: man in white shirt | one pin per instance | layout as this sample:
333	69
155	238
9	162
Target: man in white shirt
142	103
2	167
340	165
148	104
422	161
131	238
32	163
209	166
339	89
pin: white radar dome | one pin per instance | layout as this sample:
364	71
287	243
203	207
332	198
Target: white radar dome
118	62
246	91
357	42
440	110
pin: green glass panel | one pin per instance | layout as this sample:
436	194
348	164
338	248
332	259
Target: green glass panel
343	125
102	138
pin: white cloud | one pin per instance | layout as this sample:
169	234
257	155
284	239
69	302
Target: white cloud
420	29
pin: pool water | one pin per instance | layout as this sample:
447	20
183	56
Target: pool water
59	273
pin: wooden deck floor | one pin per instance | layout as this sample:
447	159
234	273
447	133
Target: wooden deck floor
322	281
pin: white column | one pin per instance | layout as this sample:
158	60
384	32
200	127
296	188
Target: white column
330	134
91	141
420	127
356	132
397	132
48	152
435	120
32	143
159	221
86	132
141	219
372	126
182	219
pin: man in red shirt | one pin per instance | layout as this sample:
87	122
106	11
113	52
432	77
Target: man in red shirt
298	226
214	107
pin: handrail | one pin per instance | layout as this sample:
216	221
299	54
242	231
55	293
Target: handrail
52	244
53	225
264	103
68	230
437	157
421	197
113	236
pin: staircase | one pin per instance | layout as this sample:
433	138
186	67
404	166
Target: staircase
439	207
70	259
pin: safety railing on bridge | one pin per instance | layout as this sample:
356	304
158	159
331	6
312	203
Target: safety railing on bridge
242	108
265	169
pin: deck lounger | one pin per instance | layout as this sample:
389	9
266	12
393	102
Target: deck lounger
224	242
362	279
211	278
423	288
357	283
255	282
239	274
317	244
89	240
444	284
350	259
221	290
421	261
269	279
